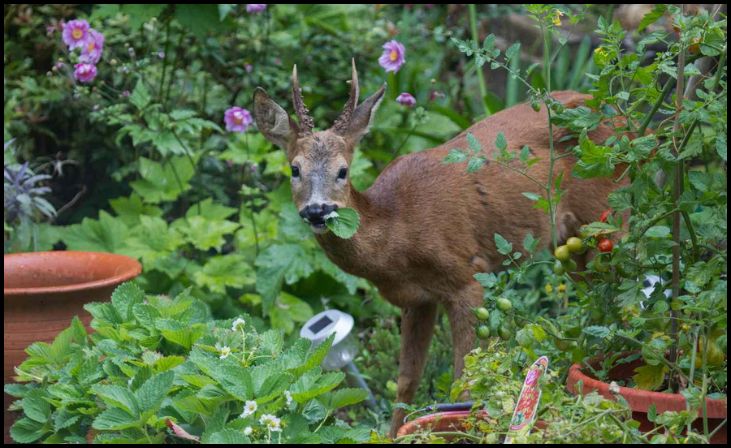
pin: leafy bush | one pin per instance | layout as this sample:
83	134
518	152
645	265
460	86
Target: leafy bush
154	362
676	324
494	375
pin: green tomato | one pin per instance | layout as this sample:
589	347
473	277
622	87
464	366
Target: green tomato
558	268
574	244
504	304
562	253
482	313
504	332
535	104
524	339
483	331
715	354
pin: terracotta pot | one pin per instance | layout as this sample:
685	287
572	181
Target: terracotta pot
640	400
45	290
446	421
438	422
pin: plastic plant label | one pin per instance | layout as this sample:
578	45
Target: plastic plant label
343	223
530	395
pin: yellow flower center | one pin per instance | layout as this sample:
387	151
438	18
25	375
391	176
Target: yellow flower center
91	46
393	56
77	33
238	118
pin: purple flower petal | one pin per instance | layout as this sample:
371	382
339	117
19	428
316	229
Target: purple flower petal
237	119
85	72
91	51
75	33
255	8
393	56
406	99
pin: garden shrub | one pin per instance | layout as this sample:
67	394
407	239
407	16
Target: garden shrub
155	362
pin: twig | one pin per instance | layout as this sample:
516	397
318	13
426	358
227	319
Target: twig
71	203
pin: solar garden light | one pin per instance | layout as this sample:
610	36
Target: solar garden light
344	348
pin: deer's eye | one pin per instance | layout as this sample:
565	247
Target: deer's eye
295	171
342	173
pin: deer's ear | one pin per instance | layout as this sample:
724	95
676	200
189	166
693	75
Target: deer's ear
272	120
362	117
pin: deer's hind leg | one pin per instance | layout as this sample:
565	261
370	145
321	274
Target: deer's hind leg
417	328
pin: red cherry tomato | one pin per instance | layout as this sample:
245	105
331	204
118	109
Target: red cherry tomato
605	245
605	215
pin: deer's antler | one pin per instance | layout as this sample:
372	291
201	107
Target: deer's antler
343	121
306	123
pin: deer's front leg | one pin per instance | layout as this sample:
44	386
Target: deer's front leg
417	328
462	321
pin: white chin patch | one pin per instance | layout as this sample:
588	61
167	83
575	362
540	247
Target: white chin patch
318	228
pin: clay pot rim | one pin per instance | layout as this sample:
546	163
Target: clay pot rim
412	426
131	269
449	416
639	399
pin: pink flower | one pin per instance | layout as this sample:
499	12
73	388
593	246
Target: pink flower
393	56
85	72
249	68
406	99
91	51
76	33
237	119
253	9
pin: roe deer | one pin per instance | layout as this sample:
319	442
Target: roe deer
426	227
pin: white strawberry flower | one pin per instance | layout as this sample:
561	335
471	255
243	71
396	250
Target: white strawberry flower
271	422
239	322
249	408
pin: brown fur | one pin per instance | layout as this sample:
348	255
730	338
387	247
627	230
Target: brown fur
427	227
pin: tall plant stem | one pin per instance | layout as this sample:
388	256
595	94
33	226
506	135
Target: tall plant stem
480	75
648	118
677	191
552	159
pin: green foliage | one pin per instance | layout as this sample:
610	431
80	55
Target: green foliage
495	375
140	165
345	223
154	360
604	309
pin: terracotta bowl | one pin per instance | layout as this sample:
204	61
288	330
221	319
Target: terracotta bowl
437	422
640	400
45	290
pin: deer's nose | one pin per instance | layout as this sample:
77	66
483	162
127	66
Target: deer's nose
315	213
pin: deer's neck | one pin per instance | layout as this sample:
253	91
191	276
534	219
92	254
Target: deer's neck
358	255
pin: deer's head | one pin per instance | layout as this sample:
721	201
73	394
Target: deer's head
319	160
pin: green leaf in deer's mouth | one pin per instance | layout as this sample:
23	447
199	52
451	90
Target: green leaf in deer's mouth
343	223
